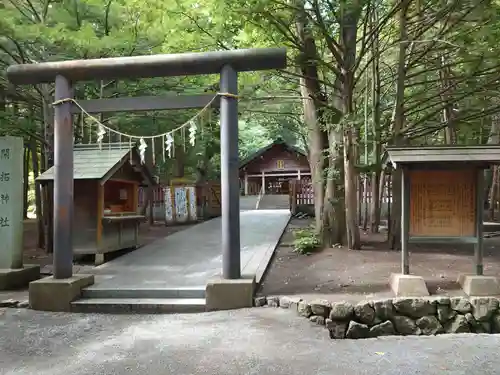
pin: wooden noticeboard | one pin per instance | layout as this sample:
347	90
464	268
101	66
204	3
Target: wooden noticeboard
443	203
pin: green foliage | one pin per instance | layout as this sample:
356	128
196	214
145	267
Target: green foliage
306	241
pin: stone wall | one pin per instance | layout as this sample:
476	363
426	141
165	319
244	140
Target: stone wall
399	316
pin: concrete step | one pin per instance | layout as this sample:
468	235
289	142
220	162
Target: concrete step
135	293
271	201
139	305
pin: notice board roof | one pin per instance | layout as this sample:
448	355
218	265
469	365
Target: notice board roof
480	154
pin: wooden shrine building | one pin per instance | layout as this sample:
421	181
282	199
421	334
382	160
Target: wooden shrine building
442	194
272	167
106	188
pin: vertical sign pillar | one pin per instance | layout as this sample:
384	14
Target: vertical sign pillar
405	221
11	202
231	268
478	248
63	181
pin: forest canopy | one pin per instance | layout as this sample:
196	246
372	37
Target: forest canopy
362	74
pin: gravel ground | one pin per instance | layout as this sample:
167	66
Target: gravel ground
249	341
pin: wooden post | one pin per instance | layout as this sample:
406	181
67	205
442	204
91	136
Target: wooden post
478	249
298	175
100	212
246	183
263	186
63	181
230	194
293	197
405	221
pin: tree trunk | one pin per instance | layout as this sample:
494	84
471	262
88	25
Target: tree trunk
26	184
333	221
180	156
493	139
376	113
350	13
398	124
38	198
48	191
492	195
313	100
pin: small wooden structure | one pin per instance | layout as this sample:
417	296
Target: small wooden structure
106	182
442	195
272	167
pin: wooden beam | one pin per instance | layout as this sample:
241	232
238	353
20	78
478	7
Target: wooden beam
145	103
129	67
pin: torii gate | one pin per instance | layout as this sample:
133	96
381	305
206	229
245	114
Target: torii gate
64	74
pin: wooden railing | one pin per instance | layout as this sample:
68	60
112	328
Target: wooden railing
302	194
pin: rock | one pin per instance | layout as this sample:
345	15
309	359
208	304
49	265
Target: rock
304	309
483	327
9	303
383	329
384	310
259	301
445	313
470	318
461	305
442	300
483	308
429	325
405	325
495	322
341	311
294	303
273	301
357	330
458	324
364	313
414	307
284	302
317	319
289	302
321	308
24	304
336	329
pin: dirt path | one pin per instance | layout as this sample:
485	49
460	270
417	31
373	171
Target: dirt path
340	273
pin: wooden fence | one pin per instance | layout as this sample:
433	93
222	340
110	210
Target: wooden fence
302	196
207	201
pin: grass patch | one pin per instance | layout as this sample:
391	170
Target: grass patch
306	241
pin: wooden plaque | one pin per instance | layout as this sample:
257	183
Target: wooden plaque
443	203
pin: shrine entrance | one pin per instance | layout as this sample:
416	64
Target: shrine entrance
278	185
67	73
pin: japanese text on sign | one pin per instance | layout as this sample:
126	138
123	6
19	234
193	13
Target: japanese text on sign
5	154
442	203
4	197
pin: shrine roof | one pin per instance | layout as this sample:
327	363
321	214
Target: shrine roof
263	150
480	154
94	162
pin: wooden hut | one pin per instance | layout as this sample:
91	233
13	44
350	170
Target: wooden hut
106	183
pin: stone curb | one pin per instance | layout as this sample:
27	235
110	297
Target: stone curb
397	316
12	303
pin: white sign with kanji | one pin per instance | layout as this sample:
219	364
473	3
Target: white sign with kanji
11	202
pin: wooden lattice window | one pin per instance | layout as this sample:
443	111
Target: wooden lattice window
280	164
